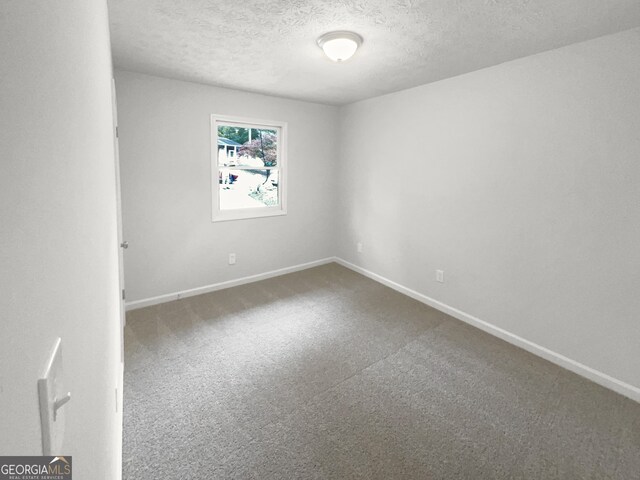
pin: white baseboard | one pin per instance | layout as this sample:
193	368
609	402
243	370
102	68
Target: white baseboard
594	375
147	302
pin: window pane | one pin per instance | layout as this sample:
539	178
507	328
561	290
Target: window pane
248	188
252	147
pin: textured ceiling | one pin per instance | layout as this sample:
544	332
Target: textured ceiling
269	46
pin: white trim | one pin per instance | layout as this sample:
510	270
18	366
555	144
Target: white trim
169	297
244	213
592	374
218	215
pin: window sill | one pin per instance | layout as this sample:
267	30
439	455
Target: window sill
248	213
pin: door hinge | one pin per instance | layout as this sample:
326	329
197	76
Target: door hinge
117	135
123	295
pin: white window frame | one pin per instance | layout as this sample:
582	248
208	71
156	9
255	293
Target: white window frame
245	213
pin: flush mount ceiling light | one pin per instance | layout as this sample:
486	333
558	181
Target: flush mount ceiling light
339	46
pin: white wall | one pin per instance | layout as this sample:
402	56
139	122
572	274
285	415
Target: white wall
58	250
520	182
165	146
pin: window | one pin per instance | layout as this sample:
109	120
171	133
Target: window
248	159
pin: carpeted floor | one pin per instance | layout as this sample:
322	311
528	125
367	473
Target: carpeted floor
325	374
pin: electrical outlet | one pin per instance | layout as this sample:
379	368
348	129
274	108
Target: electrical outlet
440	276
232	259
359	247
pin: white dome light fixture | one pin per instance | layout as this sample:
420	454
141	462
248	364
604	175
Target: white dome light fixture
340	46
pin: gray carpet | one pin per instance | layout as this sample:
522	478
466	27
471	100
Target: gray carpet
325	374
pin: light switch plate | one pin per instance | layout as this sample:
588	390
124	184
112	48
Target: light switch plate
51	390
